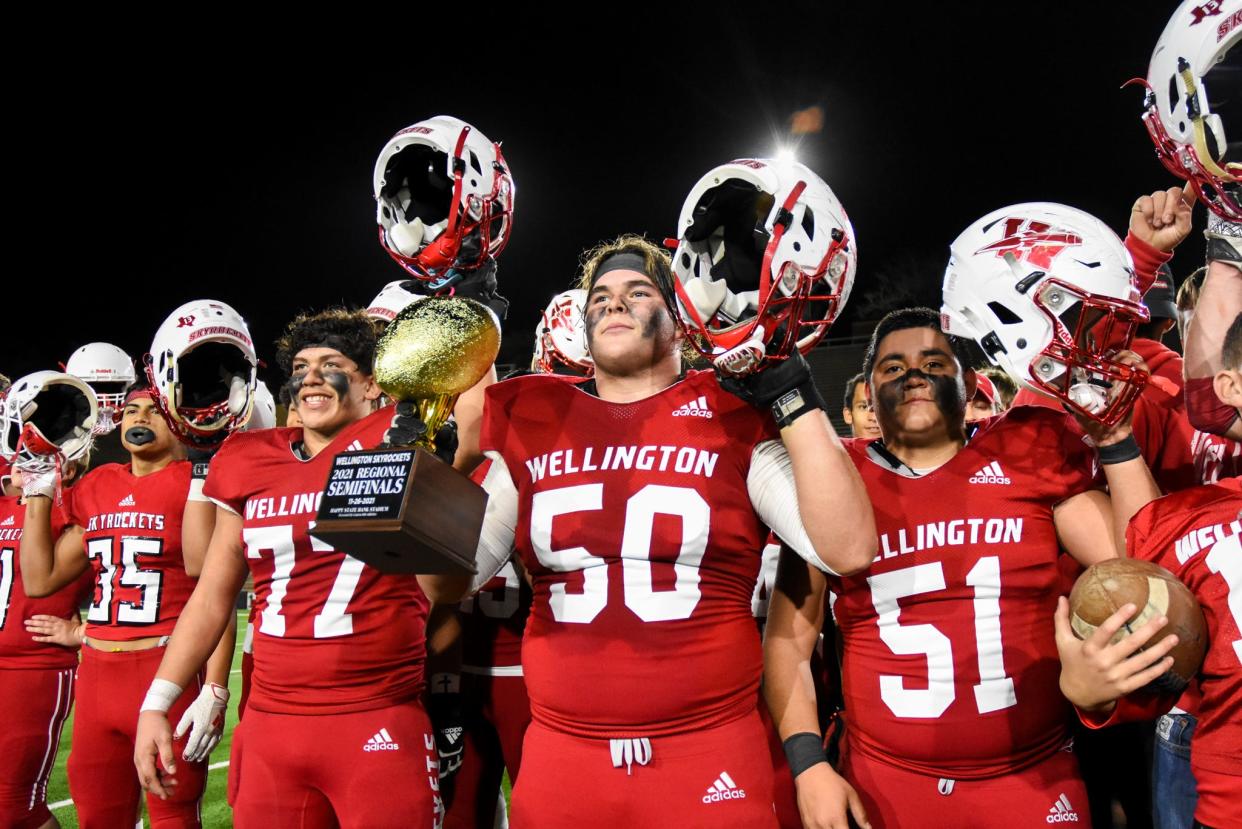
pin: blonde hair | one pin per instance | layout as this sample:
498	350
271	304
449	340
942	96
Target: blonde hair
1188	293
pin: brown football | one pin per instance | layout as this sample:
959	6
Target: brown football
1106	586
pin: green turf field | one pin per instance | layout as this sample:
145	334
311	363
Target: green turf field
216	812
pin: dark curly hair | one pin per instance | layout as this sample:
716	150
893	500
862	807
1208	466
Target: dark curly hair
349	331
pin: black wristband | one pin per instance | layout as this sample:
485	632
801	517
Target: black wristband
1126	450
803	751
796	402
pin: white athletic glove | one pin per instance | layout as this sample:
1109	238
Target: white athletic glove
204	719
40	476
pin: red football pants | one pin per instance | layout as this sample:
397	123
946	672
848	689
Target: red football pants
495	726
370	769
247	665
716	777
35	704
102	780
1049	793
247	668
784	795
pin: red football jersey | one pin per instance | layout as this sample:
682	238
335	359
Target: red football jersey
132	537
332	634
17	648
635	524
1160	427
1195	535
492	622
950	662
1216	457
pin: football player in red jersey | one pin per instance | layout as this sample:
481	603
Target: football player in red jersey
949	681
1196	534
123	523
334	733
488	697
1158	224
637	501
1188	75
36	675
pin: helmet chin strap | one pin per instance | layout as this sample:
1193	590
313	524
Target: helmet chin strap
409	237
239	395
1089	396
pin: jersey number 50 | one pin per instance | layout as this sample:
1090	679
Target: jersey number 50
641	597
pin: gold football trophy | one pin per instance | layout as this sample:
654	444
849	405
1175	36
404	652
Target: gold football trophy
400	508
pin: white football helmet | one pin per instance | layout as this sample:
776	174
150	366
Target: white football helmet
392	300
47	418
765	261
561	336
263	414
202	363
444	197
1048	293
1189	74
109	371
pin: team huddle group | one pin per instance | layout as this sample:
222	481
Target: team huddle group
695	604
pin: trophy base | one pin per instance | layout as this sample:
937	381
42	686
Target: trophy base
429	525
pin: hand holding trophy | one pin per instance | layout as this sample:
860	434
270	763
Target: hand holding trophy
400	508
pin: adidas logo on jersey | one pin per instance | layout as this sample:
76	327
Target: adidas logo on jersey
8	522
127	501
1062	811
990	474
695	408
723	789
382	741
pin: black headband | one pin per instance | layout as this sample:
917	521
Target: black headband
337	343
623	261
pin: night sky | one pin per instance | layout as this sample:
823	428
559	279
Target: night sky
240	168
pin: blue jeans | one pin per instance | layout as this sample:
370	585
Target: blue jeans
1173	793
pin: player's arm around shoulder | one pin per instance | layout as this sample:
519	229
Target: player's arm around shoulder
832	500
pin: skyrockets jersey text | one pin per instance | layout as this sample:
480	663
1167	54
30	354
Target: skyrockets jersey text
950	665
132	536
637	528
